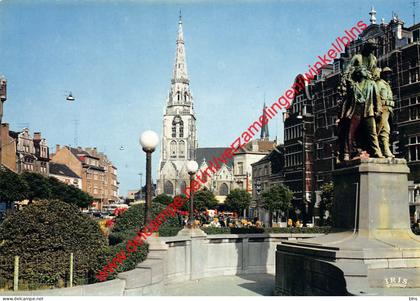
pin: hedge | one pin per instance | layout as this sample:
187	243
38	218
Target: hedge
132	220
251	230
125	228
43	235
169	231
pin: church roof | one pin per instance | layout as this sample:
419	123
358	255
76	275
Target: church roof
207	153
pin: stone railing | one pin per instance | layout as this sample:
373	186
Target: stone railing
183	258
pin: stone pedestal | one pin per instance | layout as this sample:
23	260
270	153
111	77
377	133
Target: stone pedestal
198	249
371	249
192	232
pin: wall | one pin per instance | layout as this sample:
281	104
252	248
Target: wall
179	259
64	156
8	153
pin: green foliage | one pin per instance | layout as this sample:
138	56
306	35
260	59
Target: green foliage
277	198
162	199
12	187
327	198
126	227
306	230
204	199
68	193
44	234
238	200
214	230
254	230
127	224
173	231
38	186
169	231
186	205
130	262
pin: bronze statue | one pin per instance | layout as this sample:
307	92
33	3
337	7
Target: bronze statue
362	107
357	128
382	79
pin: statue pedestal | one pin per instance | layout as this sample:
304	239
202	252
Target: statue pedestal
192	232
371	250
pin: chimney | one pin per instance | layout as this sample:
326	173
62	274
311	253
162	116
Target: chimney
3	86
255	146
57	148
37	136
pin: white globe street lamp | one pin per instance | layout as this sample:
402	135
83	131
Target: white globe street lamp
148	140
192	168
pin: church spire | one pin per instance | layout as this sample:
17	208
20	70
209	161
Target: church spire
265	135
180	73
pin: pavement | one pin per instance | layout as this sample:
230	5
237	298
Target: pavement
238	285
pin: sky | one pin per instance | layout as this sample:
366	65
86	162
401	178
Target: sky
116	57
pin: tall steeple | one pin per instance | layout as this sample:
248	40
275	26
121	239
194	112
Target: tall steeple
179	137
180	94
265	135
180	73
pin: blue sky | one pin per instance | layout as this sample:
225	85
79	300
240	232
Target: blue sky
117	58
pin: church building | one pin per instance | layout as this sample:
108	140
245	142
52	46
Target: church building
179	137
179	141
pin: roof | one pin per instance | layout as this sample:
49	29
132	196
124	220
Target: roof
207	153
77	152
62	170
264	146
14	134
276	156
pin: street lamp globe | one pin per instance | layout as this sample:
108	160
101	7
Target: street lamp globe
149	140
192	167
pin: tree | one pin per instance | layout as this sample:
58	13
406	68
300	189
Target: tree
238	200
68	193
163	199
186	206
38	186
204	199
327	197
12	187
276	198
43	235
131	221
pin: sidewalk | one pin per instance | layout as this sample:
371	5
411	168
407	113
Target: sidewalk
238	285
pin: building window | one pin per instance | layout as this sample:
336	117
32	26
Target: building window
172	149
168	188
173	130
224	189
181	148
414	149
240	168
183	186
177	127
181	129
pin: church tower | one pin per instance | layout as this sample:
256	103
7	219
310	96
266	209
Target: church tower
179	137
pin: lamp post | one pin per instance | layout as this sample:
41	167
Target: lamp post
141	186
192	168
148	140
